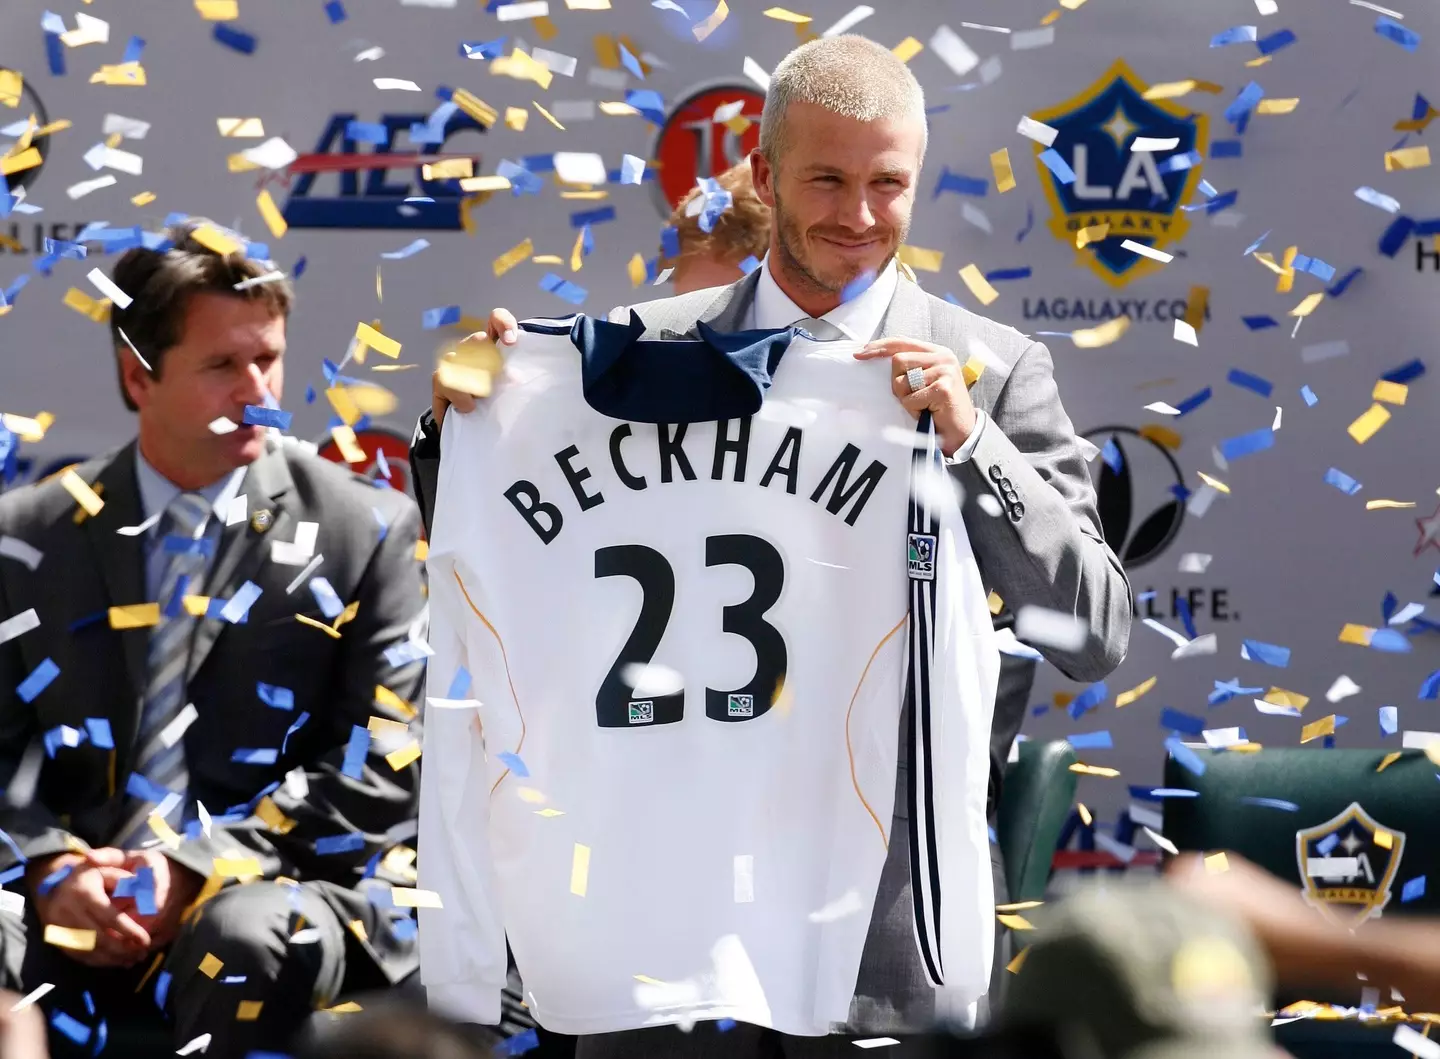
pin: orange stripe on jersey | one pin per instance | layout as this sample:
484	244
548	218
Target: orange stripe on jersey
851	753
506	659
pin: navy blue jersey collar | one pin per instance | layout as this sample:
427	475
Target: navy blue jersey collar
719	376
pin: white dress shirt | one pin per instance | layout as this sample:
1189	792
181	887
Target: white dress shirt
858	319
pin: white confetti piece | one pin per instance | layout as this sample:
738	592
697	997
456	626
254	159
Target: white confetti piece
1376	7
21	551
953	51
564	65
452	704
988	29
106	286
519	12
1275	709
13	903
29	998
1220	738
1032	38
1146	817
297	785
1200	500
130	128
1039	625
1343	688
1206	644
1414	1042
976	216
1319	351
651	680
396	84
1195	562
85	187
615	80
171	733
876	1042
1332	867
1388	203
1279	415
370	54
274	153
1154	143
1266	7
1038	131
222	426
1185	332
273	276
1178	639
756	73
853	18
744	879
1150	252
1161	408
990	70
18	625
1161	841
199	1044
848	904
1405	613
575	167
299	551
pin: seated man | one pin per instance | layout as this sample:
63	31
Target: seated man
195	810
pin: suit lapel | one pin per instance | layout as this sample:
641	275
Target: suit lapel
122	558
726	313
908	315
243	546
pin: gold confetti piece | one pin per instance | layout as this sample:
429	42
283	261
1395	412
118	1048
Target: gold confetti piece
1389	505
1018	906
373	339
120	75
1259	61
422	550
30	429
547	115
385	697
1093	234
1357	634
271	215
238	163
1000	166
383	725
236	867
547	259
1384	839
1015	922
12	83
577	252
358	929
1213	483
1094	770
1266	259
483	113
1389	759
346	615
1287	270
195	606
1390	392
636	270
163	831
248	1010
971	371
615	109
994	602
408	898
1407	158
1276	106
1019	961
1281	697
143	199
523	68
580	860
1176	89
218	10
216	240
1102	335
27	159
1314	730
548	813
398	759
347	1008
1364	428
210	966
240	128
350	450
920	258
1196	302
74	938
135	616
270	815
1051	17
907	49
343	403
530	795
512	257
1125	698
979	286
96	309
701	31
449	169
306	620
1085	816
1215	863
464	377
782	15
80	490
485	183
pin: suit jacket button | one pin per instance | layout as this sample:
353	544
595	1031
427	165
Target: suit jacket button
995	473
1011	496
1017	511
1005	484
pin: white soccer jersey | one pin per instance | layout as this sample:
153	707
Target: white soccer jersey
670	664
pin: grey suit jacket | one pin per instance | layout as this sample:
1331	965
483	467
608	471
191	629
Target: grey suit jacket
78	794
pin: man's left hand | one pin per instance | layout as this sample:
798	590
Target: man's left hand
175	888
944	392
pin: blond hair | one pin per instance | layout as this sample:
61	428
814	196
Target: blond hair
742	231
848	75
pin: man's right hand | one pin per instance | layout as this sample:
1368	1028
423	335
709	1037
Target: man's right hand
501	329
82	901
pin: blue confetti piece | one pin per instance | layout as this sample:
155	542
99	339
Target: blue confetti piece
482	49
1207	189
1244	102
255	756
1003	274
649	103
1389	720
15	849
960	184
303	261
145	789
518	1044
54	879
89	1003
1266	653
100	734
409	250
580	218
459	684
1176	721
331	844
1270	803
1161	793
234	979
299	723
1183	606
162	989
371	867
514	764
276	697
71	1027
1179	162
38	680
1226	149
1430	689
355	752
403	929
335	10
235	39
750	264
60	736
1100	740
326	598
371	132
1233	35
259	416
1088	699
1052	161
1390	641
237	607
55	54
440	317
587	242
1250	382
726	1025
1430	227
1247	444
1186	757
1029	223
10	874
403	653
1320	270
1281	38
145	891
1259	323
1326	844
1222	202
1342	481
631	63
134	48
175	544
1225	690
563	288
1193	402
1112	456
1406	372
1413	889
310	395
1396	235
379	896
1391	30
670	241
1309	396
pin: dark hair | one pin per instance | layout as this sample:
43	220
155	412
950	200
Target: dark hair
160	282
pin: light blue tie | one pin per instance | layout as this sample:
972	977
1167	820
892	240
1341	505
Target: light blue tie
164	766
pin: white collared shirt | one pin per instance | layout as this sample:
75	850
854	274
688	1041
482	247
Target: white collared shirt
858	319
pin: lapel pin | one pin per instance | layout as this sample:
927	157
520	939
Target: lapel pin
262	520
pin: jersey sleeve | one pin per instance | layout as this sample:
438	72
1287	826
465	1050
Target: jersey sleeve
463	958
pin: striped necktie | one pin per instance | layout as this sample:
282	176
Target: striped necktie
820	330
160	775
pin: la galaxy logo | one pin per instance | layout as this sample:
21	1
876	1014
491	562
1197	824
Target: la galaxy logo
920	557
1348	864
1137	193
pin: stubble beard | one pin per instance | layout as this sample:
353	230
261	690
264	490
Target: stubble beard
791	241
